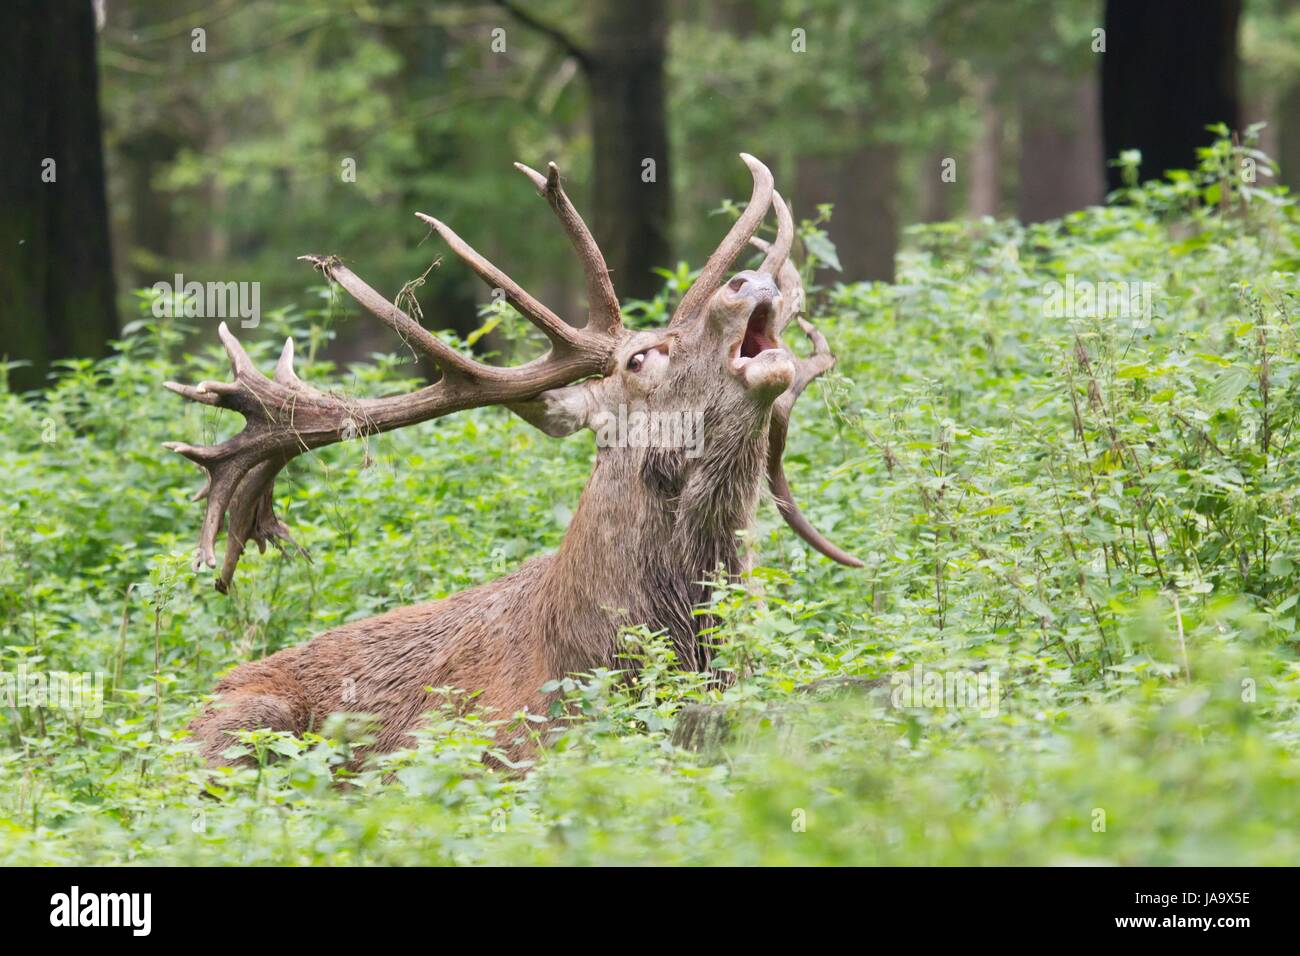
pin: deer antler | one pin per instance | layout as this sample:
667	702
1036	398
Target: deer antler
602	303
719	264
777	261
285	417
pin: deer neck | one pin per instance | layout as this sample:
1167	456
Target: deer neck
647	531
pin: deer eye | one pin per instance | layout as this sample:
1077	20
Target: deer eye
635	362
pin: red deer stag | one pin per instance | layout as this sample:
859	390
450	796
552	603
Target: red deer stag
652	522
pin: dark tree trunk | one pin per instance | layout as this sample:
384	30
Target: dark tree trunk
1169	70
863	188
871	211
625	67
56	277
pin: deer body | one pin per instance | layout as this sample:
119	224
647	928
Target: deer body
558	614
653	522
481	638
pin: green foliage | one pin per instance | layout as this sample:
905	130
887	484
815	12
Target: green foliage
230	163
323	126
1097	508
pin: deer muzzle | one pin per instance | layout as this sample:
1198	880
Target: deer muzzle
756	355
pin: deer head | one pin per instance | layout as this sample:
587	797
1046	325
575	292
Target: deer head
718	371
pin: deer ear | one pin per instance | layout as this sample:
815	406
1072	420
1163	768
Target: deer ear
561	411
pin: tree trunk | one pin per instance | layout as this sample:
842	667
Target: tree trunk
985	197
862	186
1060	147
1287	134
631	203
1288	138
56	277
1166	75
935	196
148	229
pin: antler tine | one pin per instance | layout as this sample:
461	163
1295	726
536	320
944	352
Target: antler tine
778	253
602	302
806	369
719	263
791	286
777	258
563	336
449	361
285	417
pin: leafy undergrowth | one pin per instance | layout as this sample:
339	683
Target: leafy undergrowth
1093	517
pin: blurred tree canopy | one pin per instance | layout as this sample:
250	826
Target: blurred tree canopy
240	134
233	160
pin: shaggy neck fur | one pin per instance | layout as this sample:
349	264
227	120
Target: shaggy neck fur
639	557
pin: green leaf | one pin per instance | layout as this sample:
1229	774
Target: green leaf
1227	385
821	248
492	322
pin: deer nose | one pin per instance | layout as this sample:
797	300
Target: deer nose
759	284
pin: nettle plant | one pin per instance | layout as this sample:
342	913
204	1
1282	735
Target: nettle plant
654	523
1231	173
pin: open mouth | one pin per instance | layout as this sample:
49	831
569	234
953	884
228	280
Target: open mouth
759	336
758	331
